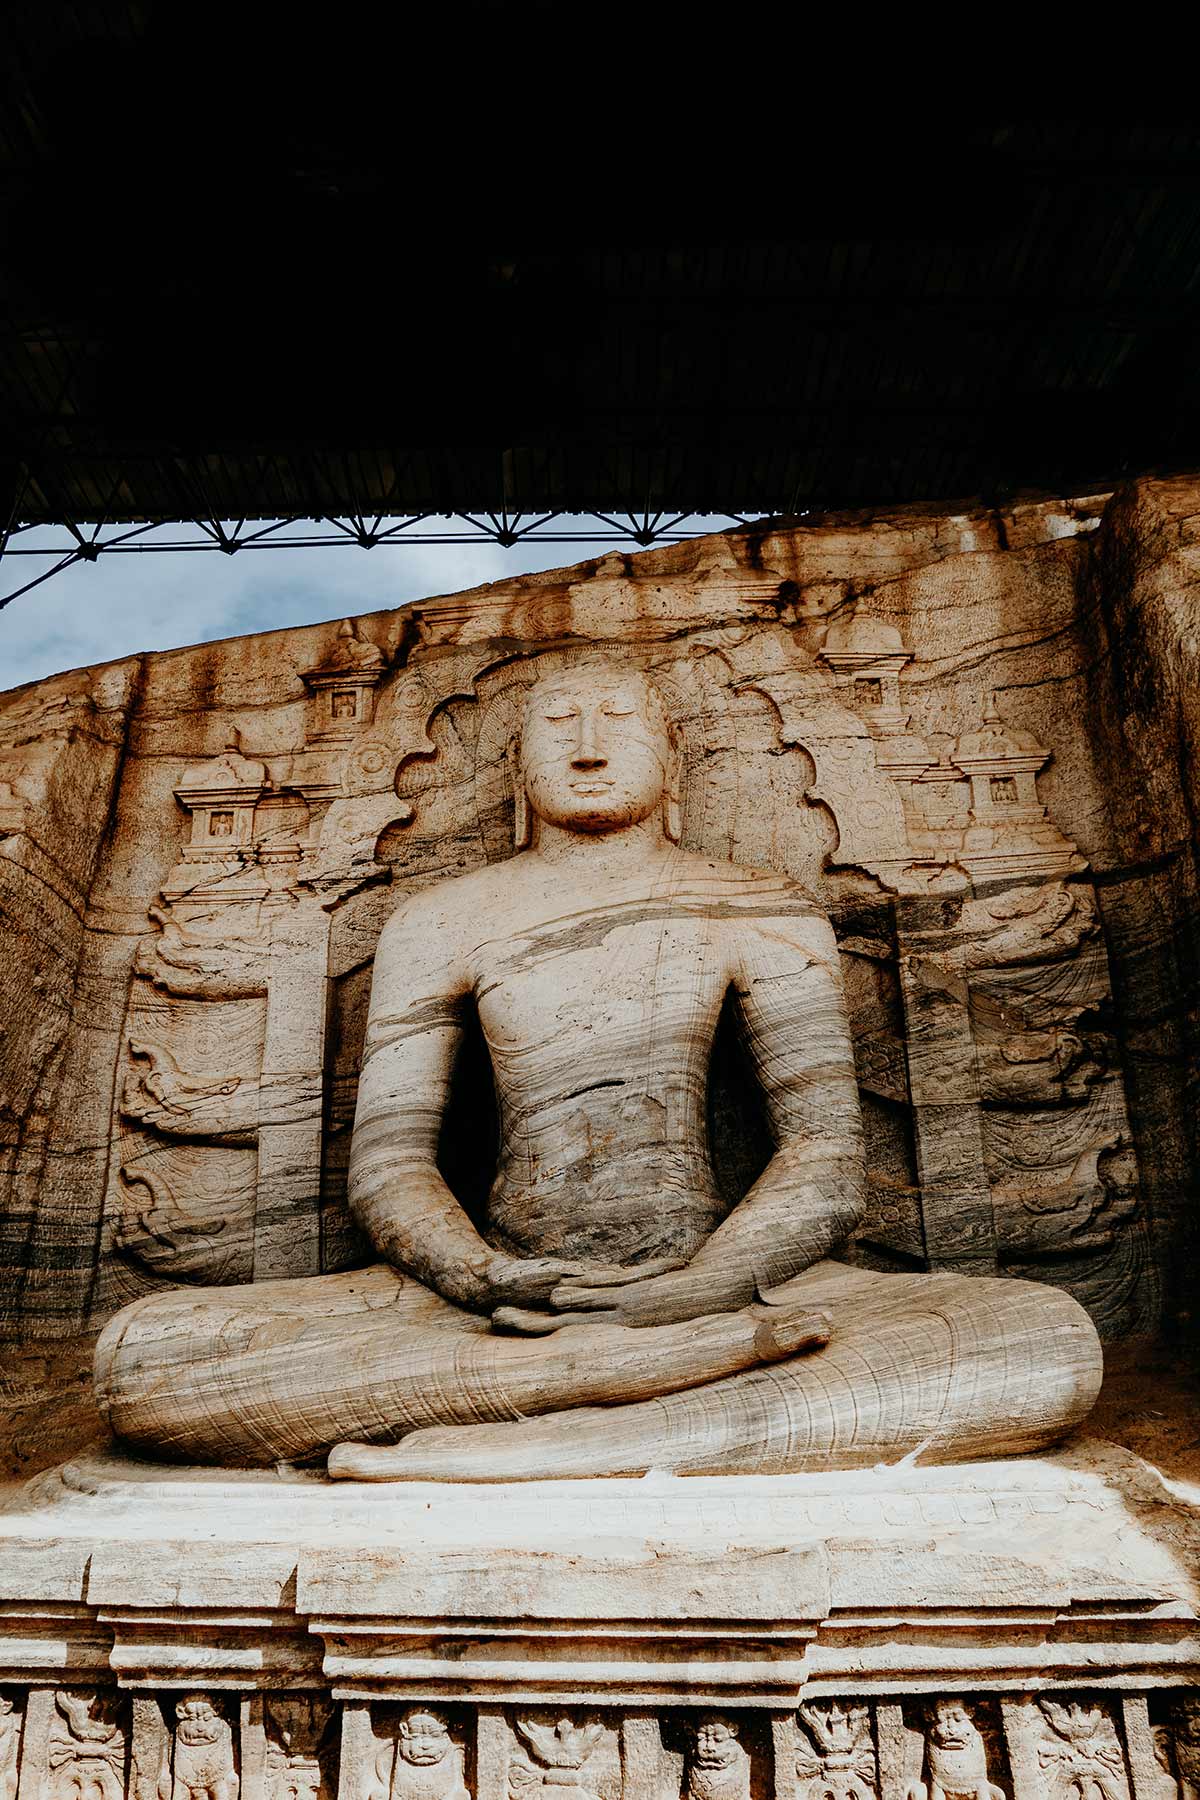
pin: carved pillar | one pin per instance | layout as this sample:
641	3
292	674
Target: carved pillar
287	1219
253	1748
356	1765
491	1755
1145	1770
35	1745
959	1227
783	1756
149	1750
641	1754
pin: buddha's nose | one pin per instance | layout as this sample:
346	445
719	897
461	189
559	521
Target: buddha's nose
589	746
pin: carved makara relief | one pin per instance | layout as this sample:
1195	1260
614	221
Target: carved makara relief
11	1715
87	1747
557	1756
299	1748
421	1760
835	1752
717	1765
202	1761
956	1762
1080	1753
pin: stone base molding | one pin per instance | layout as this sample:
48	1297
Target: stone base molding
1015	1629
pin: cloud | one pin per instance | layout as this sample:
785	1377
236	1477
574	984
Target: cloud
123	603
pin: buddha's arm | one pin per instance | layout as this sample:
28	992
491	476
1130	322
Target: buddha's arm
808	1199
395	1190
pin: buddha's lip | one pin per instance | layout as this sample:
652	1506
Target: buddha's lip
591	787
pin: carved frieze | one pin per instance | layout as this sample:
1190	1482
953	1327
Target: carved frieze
565	1753
718	1764
420	1760
285	1746
301	1747
835	1752
87	1752
955	1757
203	1756
1080	1752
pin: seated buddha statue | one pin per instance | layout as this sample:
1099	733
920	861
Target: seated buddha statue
610	1312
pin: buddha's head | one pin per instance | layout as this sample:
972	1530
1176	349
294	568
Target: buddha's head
598	754
424	1738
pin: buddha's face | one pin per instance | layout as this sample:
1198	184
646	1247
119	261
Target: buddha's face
595	750
424	1739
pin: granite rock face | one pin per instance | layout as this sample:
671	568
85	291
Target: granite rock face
969	736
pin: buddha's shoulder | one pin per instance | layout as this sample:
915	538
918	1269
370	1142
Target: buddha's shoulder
748	891
443	904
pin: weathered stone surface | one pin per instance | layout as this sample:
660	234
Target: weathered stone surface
969	737
917	716
648	1321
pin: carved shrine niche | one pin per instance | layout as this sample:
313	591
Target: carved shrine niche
974	964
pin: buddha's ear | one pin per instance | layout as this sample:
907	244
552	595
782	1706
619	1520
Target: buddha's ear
672	811
522	822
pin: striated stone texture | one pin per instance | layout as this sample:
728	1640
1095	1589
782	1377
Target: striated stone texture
968	735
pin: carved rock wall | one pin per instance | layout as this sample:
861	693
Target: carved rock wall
96	1743
971	734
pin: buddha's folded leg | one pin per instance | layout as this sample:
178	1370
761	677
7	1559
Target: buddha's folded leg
285	1369
953	1365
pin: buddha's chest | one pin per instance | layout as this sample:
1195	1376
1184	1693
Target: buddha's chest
584	986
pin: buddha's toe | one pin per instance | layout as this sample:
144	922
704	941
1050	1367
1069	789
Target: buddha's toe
365	1462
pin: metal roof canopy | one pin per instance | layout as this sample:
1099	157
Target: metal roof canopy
457	263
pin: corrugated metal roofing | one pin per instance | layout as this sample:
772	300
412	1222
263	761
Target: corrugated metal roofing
454	262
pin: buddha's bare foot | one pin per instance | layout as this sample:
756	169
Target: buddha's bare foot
365	1462
585	1363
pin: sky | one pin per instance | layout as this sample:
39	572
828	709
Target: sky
93	612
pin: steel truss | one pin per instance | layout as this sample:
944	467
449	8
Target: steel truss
88	543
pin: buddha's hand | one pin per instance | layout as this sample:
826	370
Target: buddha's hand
532	1280
662	1293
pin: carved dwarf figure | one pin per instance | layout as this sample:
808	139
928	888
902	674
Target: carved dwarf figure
955	1758
87	1748
835	1757
1081	1753
718	1767
610	1302
10	1742
424	1762
203	1762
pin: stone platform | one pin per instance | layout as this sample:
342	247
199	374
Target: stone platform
616	1614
